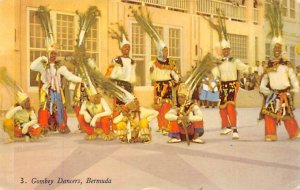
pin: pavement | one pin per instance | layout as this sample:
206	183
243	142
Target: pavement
62	162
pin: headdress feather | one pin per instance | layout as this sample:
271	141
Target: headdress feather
119	35
274	16
143	17
43	14
220	27
86	20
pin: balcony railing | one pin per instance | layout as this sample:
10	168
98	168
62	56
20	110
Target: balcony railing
204	7
233	12
180	5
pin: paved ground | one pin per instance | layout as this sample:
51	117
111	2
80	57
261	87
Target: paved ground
220	164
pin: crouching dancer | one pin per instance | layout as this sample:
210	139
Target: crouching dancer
185	118
132	122
20	121
95	117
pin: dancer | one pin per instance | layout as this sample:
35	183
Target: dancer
95	116
51	92
51	72
277	84
132	122
21	122
122	68
226	71
162	72
185	114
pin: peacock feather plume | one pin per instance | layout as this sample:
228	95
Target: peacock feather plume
118	34
86	20
274	16
220	27
198	73
43	14
8	82
143	17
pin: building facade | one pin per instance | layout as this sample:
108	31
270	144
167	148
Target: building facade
179	22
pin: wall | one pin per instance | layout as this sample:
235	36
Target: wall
9	49
195	32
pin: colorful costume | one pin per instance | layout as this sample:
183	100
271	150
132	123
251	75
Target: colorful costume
122	69
229	85
132	125
123	74
162	71
94	119
226	71
185	115
165	78
277	84
21	122
51	92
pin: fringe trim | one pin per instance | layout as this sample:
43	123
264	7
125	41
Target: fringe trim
266	112
102	135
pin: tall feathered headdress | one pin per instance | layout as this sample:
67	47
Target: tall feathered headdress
12	85
144	19
43	14
198	73
220	27
274	16
81	61
86	20
119	35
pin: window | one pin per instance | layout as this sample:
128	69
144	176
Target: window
65	33
144	50
92	42
36	43
238	44
289	8
174	46
138	53
292	9
292	54
160	31
284	8
65	28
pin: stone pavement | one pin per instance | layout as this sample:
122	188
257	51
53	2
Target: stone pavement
220	164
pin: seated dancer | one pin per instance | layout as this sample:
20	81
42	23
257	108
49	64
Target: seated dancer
20	121
95	116
185	117
80	94
132	122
